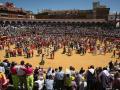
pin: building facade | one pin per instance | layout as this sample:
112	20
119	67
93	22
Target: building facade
114	17
98	12
8	10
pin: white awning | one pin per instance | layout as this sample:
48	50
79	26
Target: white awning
4	13
118	24
1	4
20	15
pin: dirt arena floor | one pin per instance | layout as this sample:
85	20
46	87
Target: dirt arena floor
65	61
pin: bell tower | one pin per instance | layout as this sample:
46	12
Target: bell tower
96	4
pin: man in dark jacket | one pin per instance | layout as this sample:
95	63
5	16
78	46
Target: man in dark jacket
91	78
104	78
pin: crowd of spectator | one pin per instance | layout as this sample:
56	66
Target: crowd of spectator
53	37
23	76
27	37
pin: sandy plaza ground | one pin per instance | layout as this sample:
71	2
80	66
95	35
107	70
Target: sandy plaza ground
65	61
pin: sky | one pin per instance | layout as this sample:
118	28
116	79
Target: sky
38	5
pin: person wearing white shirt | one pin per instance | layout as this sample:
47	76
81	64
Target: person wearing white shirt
2	69
40	83
59	79
49	83
52	52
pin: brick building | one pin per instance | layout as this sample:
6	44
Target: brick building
8	10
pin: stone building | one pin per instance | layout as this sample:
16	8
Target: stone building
9	10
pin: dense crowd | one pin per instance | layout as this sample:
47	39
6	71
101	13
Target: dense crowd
23	77
18	30
46	40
